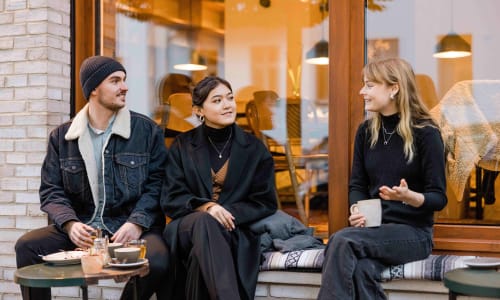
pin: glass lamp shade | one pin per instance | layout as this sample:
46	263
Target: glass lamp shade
318	55
197	63
452	46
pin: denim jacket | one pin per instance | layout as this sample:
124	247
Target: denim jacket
134	161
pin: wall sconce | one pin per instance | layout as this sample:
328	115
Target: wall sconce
318	54
452	45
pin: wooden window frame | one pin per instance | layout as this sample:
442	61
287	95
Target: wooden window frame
83	44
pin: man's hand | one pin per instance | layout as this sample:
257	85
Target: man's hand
79	233
127	232
223	216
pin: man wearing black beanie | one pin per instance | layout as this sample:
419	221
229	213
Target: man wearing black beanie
103	170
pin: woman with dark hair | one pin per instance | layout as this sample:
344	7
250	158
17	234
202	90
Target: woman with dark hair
399	158
220	179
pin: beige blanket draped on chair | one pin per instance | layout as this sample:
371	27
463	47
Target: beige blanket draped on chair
469	117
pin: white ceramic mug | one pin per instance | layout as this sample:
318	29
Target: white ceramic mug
371	209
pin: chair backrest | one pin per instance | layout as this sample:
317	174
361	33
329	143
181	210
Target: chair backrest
171	84
270	116
427	90
253	118
178	114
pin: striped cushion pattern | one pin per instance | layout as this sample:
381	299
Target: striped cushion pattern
431	268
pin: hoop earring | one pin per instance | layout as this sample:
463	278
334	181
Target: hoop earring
201	118
391	96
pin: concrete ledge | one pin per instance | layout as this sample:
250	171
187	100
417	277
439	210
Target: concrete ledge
287	285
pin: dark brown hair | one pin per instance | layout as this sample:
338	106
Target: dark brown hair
205	86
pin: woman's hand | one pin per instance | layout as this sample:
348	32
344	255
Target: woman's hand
356	219
223	216
402	193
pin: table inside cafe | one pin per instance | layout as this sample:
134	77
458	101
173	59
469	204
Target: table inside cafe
49	275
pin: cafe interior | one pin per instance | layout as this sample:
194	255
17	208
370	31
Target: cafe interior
295	69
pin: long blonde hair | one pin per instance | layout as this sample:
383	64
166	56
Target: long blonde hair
412	111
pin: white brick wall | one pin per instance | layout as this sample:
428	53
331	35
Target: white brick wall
34	97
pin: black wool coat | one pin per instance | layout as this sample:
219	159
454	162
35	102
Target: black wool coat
248	194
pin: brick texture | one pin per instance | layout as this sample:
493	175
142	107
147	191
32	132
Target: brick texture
35	65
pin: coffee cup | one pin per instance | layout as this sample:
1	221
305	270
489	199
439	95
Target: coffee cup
112	247
141	244
371	209
127	255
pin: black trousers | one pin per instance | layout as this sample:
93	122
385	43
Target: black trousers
207	251
47	240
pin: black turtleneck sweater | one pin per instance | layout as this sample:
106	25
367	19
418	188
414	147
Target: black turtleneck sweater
385	164
219	144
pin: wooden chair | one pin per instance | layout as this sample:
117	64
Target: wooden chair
427	90
262	121
177	115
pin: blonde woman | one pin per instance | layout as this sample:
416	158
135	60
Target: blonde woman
399	158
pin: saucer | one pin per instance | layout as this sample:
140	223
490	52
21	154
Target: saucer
483	262
140	262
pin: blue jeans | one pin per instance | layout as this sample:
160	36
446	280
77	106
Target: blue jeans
356	256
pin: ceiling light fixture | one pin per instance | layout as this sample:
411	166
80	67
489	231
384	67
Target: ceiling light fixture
318	54
452	45
197	62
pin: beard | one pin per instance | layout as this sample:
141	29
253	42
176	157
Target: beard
113	104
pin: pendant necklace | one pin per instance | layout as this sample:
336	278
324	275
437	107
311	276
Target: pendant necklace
389	134
225	145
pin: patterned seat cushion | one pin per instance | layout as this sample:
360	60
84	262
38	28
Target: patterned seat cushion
431	268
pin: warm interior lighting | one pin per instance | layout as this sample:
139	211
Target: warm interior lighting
452	46
318	54
197	63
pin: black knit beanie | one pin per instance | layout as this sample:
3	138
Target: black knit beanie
94	70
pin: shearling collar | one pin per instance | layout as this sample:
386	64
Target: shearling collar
121	125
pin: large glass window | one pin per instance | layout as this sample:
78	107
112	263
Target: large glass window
261	48
460	87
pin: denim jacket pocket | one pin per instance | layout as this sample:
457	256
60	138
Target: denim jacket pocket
74	175
132	170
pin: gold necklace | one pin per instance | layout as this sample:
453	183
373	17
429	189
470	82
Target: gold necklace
225	145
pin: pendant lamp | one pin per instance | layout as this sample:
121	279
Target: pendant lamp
452	45
196	62
318	54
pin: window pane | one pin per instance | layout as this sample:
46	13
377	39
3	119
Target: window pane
463	93
261	50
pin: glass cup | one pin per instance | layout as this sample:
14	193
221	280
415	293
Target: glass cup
139	244
92	264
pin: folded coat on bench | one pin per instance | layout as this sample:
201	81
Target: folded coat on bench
431	268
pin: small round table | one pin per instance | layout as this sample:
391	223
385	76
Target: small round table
472	282
45	275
